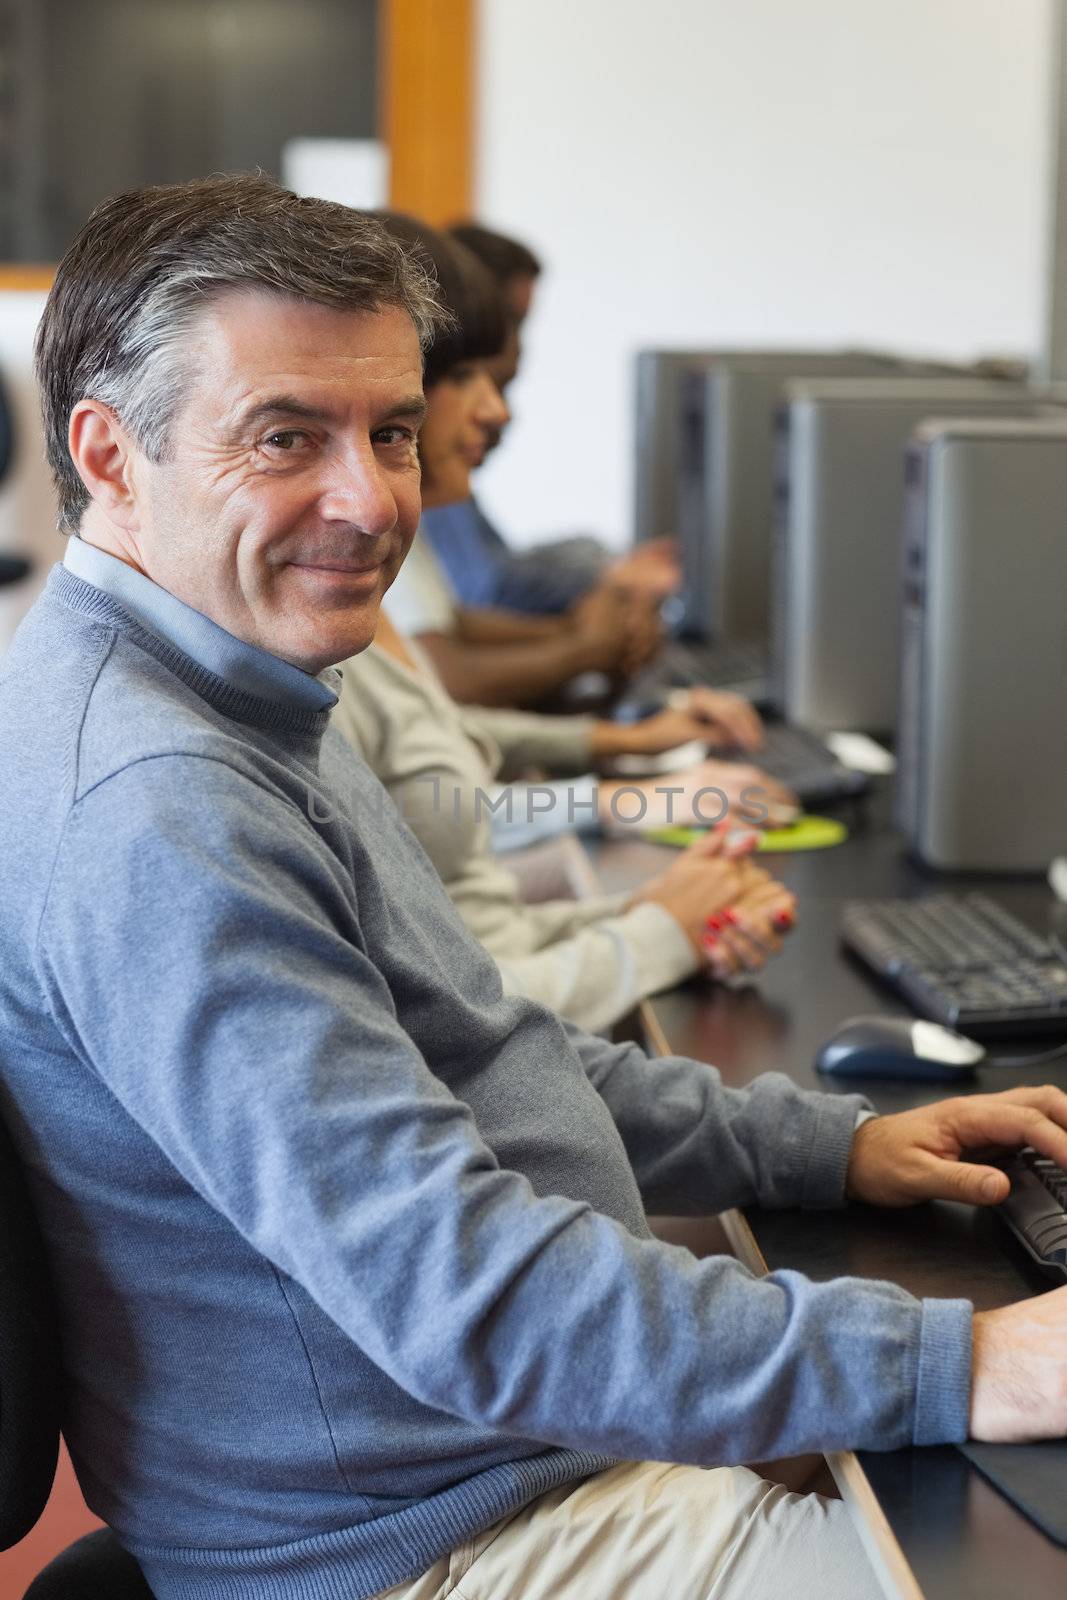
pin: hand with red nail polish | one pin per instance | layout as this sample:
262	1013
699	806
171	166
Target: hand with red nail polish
754	926
724	903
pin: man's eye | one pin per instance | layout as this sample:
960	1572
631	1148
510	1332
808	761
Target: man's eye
393	435
287	439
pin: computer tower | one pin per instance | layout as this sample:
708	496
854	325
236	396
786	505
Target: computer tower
706	422
835	562
732	530
658	385
982	757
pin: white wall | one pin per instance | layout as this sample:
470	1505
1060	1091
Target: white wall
750	171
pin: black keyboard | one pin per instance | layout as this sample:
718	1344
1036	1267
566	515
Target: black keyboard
803	763
962	960
797	758
1036	1210
684	663
688	663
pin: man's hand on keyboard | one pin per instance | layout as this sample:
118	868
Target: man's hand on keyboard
1019	1362
935	1152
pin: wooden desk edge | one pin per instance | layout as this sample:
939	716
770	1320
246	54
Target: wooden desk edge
879	1541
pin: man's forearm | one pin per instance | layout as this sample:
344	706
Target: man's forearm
504	675
692	1139
492	625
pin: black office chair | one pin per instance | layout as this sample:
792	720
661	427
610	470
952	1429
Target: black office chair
95	1567
7	439
30	1386
13	568
29	1360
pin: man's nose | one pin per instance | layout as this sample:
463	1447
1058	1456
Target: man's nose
357	491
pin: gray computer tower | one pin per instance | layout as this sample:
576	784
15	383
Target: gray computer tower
704	474
982	756
669	418
658	448
742	394
835	562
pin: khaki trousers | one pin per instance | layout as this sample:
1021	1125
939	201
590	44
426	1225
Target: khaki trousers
649	1531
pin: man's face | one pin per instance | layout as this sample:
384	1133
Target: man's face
289	495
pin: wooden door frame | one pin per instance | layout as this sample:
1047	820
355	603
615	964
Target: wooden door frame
426	82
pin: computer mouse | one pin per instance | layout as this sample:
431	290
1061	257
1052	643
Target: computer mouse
896	1047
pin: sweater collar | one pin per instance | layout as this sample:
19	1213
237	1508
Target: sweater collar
245	668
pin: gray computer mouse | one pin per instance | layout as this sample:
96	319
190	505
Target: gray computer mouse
897	1047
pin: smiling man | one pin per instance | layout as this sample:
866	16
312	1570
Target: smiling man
288	497
349	1250
281	499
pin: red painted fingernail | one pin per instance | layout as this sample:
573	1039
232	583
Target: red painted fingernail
715	922
730	916
783	920
710	942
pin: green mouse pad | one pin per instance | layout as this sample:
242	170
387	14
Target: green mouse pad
806	833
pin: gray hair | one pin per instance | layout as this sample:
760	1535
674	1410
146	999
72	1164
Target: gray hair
117	322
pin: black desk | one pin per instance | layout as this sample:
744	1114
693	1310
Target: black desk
939	1529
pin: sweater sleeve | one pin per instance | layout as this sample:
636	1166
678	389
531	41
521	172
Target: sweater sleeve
696	1142
528	739
204	957
604	969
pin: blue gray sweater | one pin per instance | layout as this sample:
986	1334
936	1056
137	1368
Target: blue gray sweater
349	1249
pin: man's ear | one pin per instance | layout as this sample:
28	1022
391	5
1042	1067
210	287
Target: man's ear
103	453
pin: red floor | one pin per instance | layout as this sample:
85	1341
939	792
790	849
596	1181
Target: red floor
65	1519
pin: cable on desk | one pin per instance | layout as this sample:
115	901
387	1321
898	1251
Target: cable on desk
1058	1054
